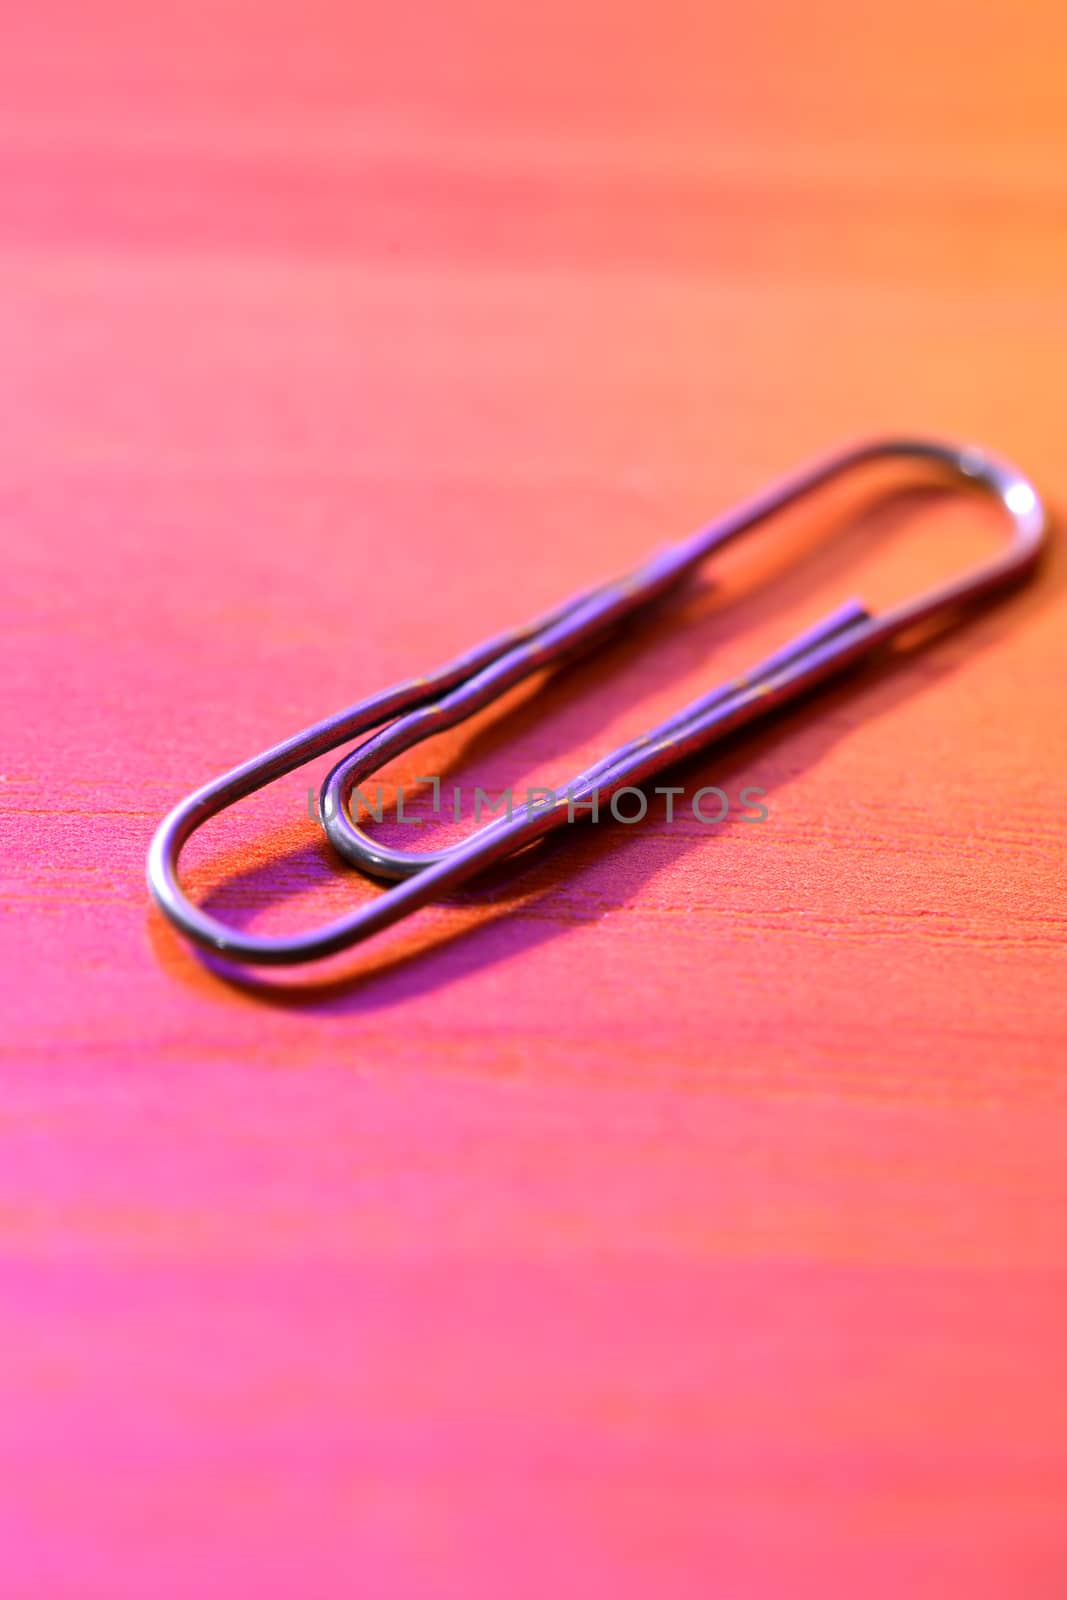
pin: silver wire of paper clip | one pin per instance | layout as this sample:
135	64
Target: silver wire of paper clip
423	706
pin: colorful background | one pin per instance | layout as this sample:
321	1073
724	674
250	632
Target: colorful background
687	1215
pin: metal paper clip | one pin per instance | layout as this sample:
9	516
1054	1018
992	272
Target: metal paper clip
423	706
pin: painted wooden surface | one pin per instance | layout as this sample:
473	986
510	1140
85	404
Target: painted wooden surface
686	1215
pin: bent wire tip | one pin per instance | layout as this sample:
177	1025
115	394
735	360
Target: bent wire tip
410	711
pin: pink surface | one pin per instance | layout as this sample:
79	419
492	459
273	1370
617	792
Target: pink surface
686	1215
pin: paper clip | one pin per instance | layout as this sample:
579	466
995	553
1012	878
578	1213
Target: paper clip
428	705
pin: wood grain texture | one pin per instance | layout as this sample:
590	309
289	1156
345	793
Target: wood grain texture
685	1215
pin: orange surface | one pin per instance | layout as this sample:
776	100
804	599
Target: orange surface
686	1215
